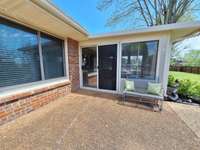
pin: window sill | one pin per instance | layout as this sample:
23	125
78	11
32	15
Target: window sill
16	92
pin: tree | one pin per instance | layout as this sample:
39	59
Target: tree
192	58
175	53
148	12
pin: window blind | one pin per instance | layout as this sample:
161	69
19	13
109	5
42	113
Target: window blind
19	54
52	52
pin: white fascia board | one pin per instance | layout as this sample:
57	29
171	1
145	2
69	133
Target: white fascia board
160	28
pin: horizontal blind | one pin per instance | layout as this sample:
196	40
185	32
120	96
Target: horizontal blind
53	58
19	54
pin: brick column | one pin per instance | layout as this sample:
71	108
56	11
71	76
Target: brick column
73	59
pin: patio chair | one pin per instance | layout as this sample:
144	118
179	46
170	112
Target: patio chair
141	95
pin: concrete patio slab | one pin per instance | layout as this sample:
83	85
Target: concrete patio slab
95	121
189	114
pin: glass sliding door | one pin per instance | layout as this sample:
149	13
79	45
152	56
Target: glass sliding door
89	67
99	67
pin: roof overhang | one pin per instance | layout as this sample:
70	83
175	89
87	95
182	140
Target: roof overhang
176	30
43	16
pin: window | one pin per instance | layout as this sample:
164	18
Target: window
139	60
20	55
52	52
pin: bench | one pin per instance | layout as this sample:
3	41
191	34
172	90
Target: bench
140	95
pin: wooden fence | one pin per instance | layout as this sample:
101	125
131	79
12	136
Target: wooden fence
188	69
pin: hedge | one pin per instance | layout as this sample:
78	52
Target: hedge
187	88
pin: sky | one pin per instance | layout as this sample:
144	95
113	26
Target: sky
85	13
88	16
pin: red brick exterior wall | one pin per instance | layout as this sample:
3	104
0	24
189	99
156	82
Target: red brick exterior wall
73	55
15	106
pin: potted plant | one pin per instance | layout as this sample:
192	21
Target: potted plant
172	88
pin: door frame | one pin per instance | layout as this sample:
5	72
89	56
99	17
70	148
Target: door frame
117	68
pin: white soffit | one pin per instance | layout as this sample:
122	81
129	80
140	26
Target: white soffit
43	16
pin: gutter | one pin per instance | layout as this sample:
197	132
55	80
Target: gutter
52	9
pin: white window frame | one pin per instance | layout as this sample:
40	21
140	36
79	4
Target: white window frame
65	65
157	57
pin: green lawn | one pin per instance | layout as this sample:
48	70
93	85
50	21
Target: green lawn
184	75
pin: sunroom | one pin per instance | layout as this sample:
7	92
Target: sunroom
142	56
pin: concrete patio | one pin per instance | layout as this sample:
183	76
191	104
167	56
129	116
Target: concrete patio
95	121
189	114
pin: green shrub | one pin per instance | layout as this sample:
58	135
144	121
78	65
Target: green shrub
171	80
187	87
184	87
195	90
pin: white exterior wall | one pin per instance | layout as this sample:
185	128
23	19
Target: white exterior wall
163	52
164	60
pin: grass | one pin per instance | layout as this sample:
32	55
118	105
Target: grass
184	75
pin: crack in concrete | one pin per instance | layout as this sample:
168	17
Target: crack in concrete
75	119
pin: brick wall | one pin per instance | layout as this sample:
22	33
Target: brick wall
73	55
15	106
